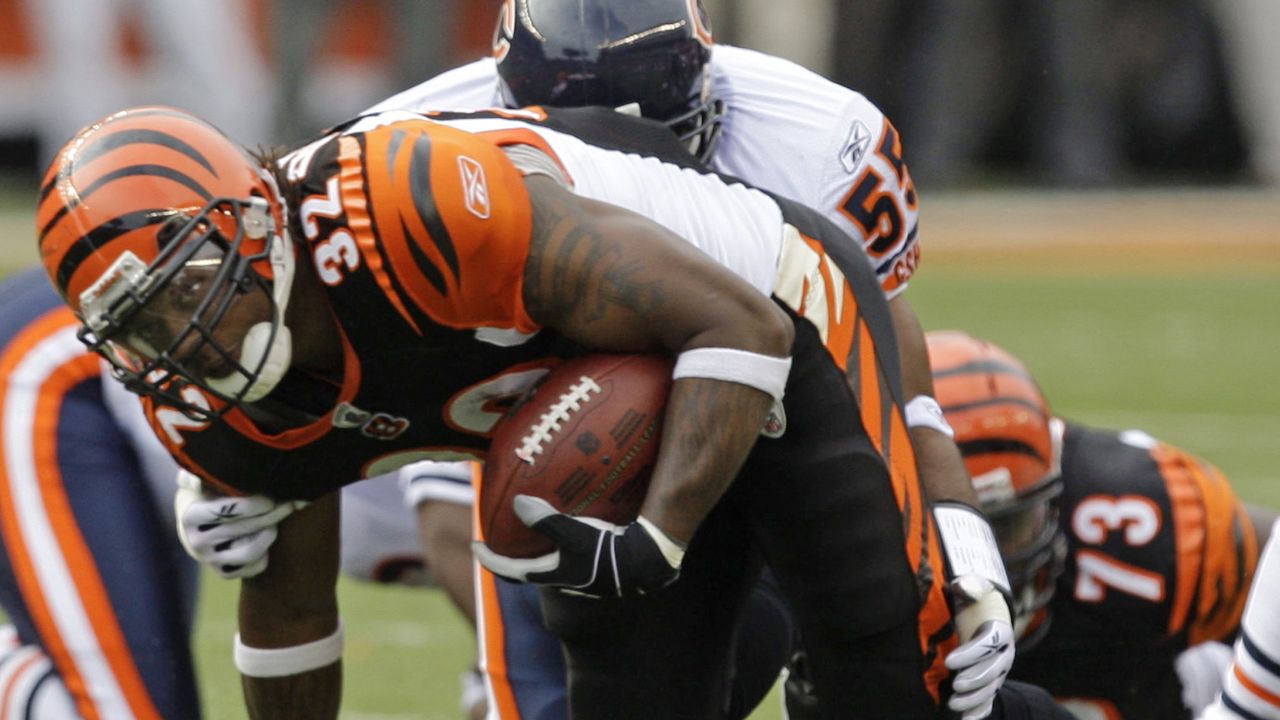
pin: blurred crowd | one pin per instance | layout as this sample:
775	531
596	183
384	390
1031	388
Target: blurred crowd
985	92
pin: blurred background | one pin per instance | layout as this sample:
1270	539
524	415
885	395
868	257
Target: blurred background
1084	93
1099	179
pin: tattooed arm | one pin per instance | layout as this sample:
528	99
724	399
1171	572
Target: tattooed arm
613	280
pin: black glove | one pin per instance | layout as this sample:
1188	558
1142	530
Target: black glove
594	557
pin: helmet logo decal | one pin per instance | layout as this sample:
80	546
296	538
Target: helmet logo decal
701	28
475	189
503	31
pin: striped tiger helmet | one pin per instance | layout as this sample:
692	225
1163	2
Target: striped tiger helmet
1012	448
153	225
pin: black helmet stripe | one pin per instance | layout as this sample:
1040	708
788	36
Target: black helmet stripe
986	367
142	136
999	400
125	138
998	445
105	233
130	171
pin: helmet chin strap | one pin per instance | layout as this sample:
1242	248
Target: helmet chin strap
268	345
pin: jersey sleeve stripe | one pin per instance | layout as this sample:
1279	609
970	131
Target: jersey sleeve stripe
1188	522
924	550
422	262
1212	583
1229	700
401	224
56	571
1230	557
425	206
1244	691
360	223
1268	665
20	678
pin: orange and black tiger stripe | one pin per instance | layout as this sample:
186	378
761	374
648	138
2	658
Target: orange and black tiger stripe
1217	548
118	180
992	402
448	233
813	283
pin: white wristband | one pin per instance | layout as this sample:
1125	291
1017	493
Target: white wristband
969	543
670	549
279	662
924	411
762	372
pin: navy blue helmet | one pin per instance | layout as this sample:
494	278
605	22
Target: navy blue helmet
572	53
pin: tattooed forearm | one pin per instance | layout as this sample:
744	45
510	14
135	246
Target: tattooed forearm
712	425
577	265
623	283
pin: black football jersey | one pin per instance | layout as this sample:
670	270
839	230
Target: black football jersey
1160	555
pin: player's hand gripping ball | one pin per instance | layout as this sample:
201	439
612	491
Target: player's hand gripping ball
584	441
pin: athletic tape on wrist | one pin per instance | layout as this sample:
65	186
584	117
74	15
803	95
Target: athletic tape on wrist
762	372
969	543
924	411
279	662
670	549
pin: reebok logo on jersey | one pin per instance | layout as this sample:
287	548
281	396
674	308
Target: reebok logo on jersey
855	146
475	190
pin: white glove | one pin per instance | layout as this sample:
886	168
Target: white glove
1201	669
229	534
983	659
980	608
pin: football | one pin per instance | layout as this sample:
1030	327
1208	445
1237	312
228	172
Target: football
585	440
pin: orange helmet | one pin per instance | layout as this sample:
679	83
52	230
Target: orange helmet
1011	445
153	226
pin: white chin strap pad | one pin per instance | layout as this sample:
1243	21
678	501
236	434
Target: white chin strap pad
253	351
277	357
271	355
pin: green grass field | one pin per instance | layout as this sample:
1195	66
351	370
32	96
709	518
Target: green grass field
1180	342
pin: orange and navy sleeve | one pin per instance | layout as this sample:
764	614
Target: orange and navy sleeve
67	475
443	221
1216	545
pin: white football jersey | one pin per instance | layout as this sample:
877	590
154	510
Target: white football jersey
740	227
786	129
